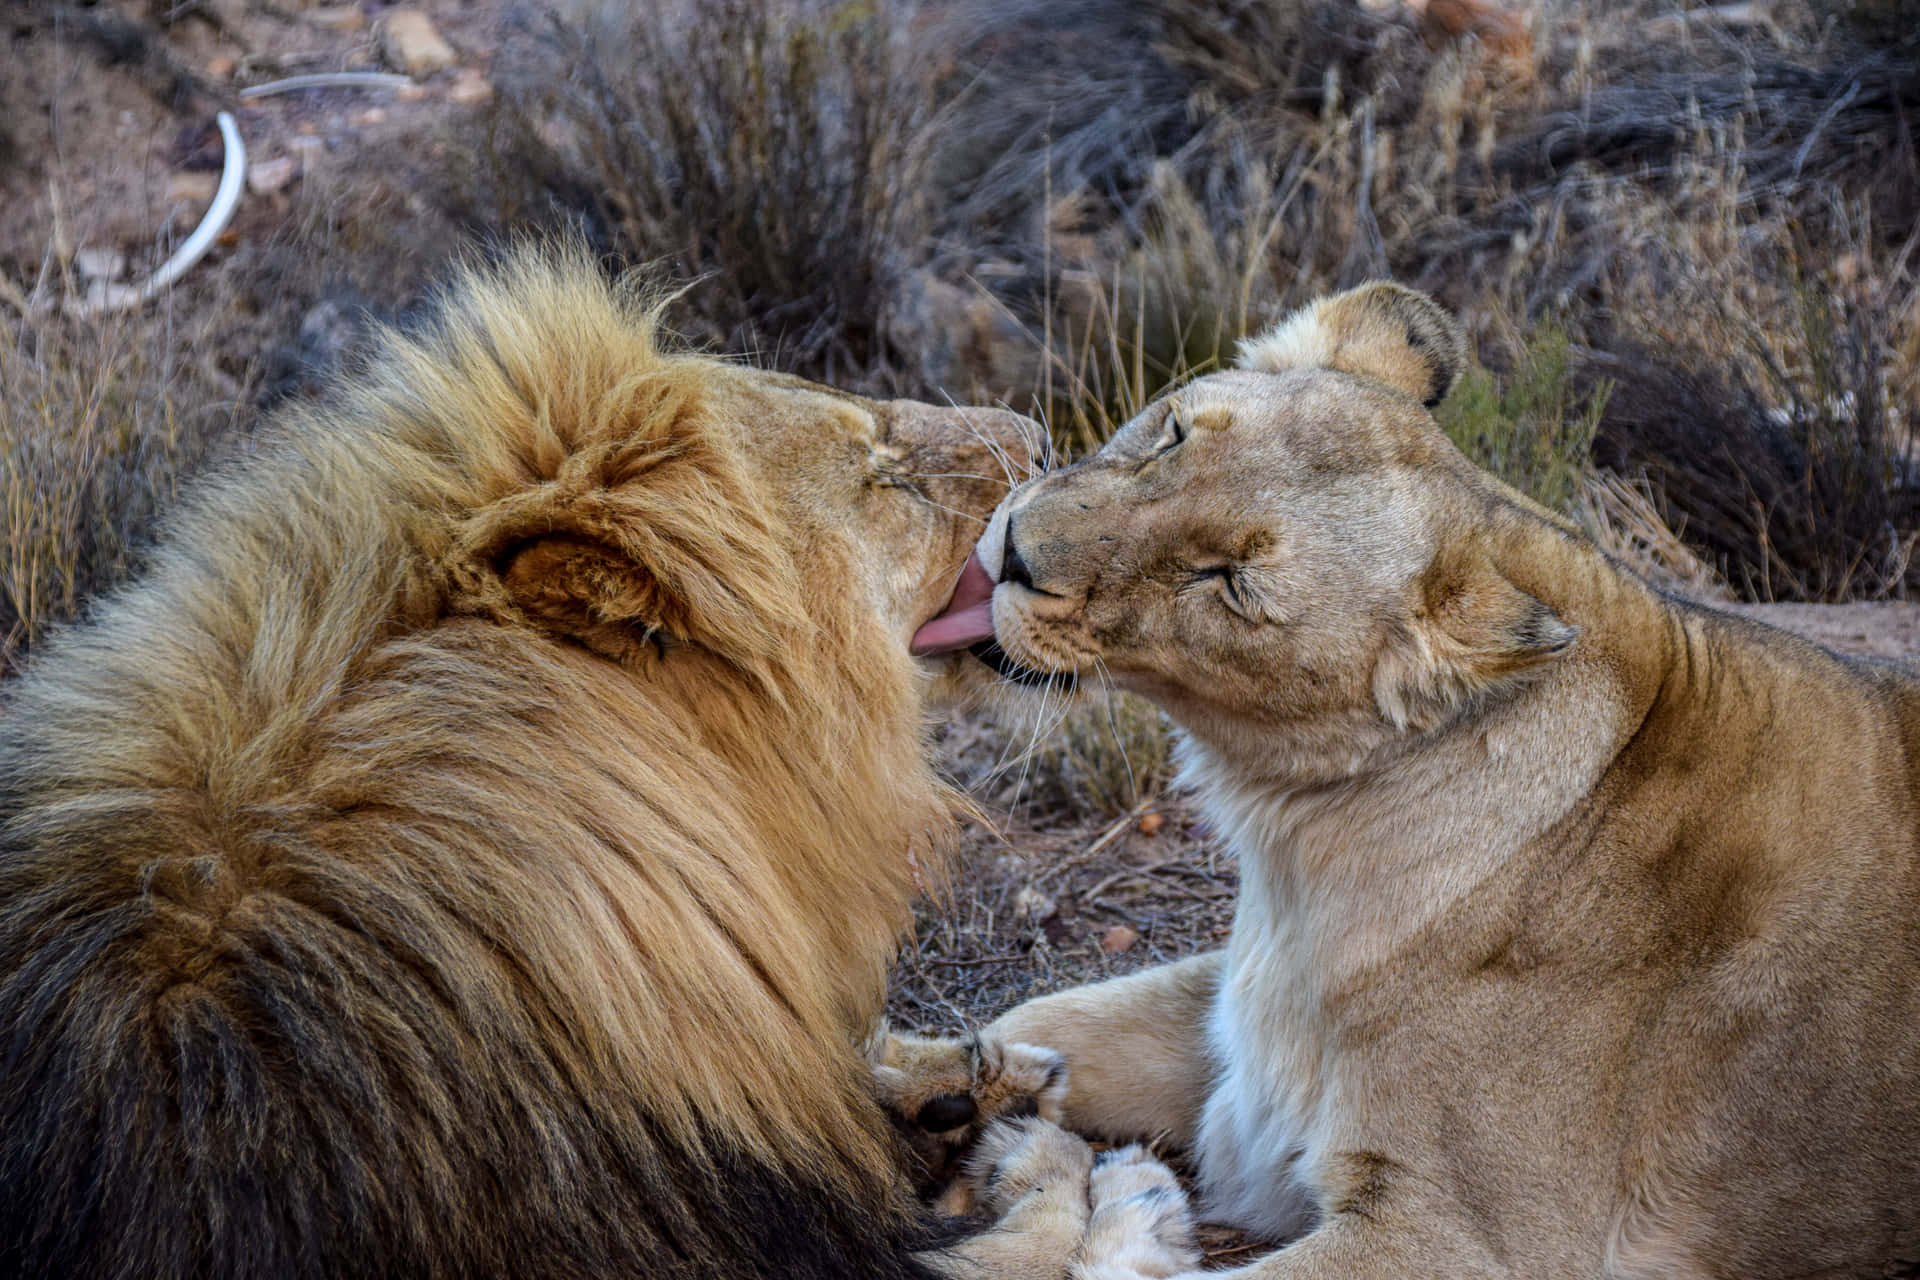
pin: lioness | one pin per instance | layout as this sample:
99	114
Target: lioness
477	845
1579	930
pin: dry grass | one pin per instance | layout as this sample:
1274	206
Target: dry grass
1624	517
102	419
772	158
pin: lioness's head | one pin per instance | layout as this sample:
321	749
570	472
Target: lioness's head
1294	545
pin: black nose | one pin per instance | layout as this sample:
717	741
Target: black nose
1013	568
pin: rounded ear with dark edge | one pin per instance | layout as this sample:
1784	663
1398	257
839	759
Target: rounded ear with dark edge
1382	331
1471	633
621	558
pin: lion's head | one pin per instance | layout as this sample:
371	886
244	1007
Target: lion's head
1259	550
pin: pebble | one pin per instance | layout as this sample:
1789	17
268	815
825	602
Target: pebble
267	176
336	17
411	43
221	68
100	264
192	188
1118	939
470	89
1031	904
367	117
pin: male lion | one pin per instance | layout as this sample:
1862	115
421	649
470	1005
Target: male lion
1579	929
476	846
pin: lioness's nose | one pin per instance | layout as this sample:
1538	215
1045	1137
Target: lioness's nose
1013	568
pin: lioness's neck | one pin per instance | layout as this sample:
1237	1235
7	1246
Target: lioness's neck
1343	869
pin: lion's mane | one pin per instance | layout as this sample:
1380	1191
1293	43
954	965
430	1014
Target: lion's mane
353	923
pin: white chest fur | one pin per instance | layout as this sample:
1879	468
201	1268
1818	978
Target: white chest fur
1332	886
1265	1124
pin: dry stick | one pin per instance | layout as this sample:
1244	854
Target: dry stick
1104	839
1128	873
328	80
968	962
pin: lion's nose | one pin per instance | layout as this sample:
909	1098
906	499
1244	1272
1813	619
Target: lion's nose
1012	567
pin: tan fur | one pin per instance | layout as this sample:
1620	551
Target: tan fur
944	1093
1580	927
478	845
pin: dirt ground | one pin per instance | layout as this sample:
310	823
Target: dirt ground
109	138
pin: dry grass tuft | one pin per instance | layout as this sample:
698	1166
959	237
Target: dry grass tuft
1536	429
1623	516
773	156
102	420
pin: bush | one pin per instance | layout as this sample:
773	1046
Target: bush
772	157
1534	430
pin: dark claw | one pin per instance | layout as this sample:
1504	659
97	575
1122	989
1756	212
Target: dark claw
948	1111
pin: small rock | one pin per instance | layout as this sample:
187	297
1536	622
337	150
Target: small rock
192	188
367	117
100	264
267	176
1031	904
1118	939
306	149
470	89
1150	823
221	68
410	93
411	43
336	17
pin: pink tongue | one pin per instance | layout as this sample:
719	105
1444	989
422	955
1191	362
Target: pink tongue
968	617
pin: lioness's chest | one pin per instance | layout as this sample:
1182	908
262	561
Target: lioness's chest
1270	1114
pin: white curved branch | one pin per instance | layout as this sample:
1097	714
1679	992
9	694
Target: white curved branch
226	199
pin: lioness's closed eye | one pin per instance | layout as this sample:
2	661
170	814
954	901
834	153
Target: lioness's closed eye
1579	929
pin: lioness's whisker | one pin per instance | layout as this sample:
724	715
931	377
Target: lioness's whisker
1109	693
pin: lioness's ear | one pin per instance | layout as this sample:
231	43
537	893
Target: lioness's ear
1470	633
1381	331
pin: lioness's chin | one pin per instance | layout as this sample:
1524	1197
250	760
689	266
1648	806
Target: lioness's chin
1014	671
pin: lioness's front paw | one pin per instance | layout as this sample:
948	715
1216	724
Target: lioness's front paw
1014	1159
1142	1225
943	1093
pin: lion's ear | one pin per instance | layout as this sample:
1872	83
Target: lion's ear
1381	331
584	590
1471	633
621	558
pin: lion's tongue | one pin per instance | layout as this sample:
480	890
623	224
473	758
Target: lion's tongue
968	617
